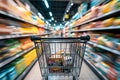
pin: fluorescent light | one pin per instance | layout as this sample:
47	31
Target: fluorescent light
60	24
71	4
67	11
52	18
40	15
54	24
50	13
67	23
46	3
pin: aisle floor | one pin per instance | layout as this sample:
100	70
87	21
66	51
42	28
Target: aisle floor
86	73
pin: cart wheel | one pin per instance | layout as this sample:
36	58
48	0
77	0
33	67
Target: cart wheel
74	78
46	78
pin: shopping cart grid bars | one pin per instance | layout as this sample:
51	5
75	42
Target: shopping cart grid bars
61	57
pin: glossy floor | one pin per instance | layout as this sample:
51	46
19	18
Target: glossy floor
86	73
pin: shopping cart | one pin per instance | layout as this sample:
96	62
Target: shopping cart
60	58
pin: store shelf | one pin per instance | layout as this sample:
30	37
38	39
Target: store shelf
105	48
15	36
26	71
101	2
6	15
21	35
3	63
44	34
95	70
97	29
102	17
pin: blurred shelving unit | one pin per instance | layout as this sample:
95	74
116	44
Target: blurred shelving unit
7	61
98	73
22	35
103	17
97	29
16	21
26	71
6	15
79	27
105	48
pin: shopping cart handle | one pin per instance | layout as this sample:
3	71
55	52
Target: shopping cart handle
85	37
35	38
82	38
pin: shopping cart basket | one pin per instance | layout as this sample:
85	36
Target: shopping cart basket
60	58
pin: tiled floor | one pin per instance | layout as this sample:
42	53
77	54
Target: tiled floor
86	73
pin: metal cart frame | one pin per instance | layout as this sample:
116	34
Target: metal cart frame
60	57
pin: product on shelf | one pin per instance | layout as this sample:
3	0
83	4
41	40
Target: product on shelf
3	75
29	57
19	65
110	6
11	73
108	22
18	9
111	22
41	30
112	75
29	30
97	11
8	72
110	40
4	29
9	48
116	22
109	63
25	43
94	2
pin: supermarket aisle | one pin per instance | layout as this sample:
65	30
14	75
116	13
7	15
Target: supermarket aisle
86	73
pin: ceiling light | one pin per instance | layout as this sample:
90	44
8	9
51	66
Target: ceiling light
54	24
40	15
46	3
71	4
55	21
50	13
60	24
67	23
67	11
52	18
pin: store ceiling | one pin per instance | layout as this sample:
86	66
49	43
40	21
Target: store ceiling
57	7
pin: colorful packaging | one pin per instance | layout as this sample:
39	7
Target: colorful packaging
11	73
19	65
3	75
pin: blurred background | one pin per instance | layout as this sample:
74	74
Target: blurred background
21	19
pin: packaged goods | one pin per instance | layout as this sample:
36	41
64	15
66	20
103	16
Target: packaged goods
25	43
11	73
108	22
29	30
19	65
112	74
55	60
116	22
3	75
29	57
